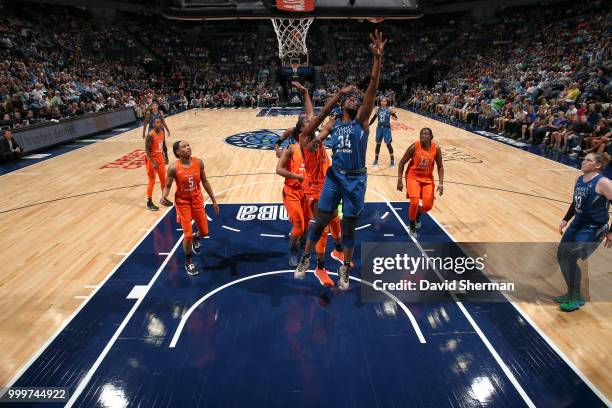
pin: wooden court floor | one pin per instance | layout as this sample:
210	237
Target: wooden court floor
66	222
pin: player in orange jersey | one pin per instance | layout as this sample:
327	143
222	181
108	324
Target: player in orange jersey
189	173
156	160
316	164
421	157
291	167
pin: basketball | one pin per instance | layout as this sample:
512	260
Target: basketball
300	203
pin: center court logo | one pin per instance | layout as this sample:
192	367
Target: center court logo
262	139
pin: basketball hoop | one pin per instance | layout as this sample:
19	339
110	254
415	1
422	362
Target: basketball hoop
291	34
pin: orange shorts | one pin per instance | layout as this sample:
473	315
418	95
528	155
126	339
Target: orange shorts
312	191
420	188
161	166
298	210
188	209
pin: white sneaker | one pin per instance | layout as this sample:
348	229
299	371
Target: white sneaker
343	281
302	268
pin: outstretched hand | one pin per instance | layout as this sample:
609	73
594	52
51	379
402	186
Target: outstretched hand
378	44
347	90
299	87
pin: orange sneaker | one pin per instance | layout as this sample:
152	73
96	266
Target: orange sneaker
339	256
323	277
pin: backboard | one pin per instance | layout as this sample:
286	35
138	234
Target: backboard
265	9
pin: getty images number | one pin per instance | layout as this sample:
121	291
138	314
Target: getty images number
344	141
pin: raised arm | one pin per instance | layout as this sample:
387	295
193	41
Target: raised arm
308	108
315	122
323	134
400	168
377	47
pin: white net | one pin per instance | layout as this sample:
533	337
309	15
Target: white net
291	35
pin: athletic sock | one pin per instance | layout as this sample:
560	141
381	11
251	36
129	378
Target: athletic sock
320	264
338	246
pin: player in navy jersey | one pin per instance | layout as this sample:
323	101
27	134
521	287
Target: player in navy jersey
149	119
589	208
383	129
346	178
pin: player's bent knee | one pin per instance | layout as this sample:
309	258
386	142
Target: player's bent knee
427	205
322	220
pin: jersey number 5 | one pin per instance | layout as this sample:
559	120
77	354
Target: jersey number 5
191	183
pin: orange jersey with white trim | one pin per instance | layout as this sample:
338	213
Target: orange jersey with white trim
422	164
188	179
295	166
157	145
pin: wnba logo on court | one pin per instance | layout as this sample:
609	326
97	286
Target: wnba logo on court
262	213
262	139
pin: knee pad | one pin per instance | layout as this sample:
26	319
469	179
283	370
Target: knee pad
315	231
348	231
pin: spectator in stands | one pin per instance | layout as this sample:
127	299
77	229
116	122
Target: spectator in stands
9	148
578	132
564	77
599	140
